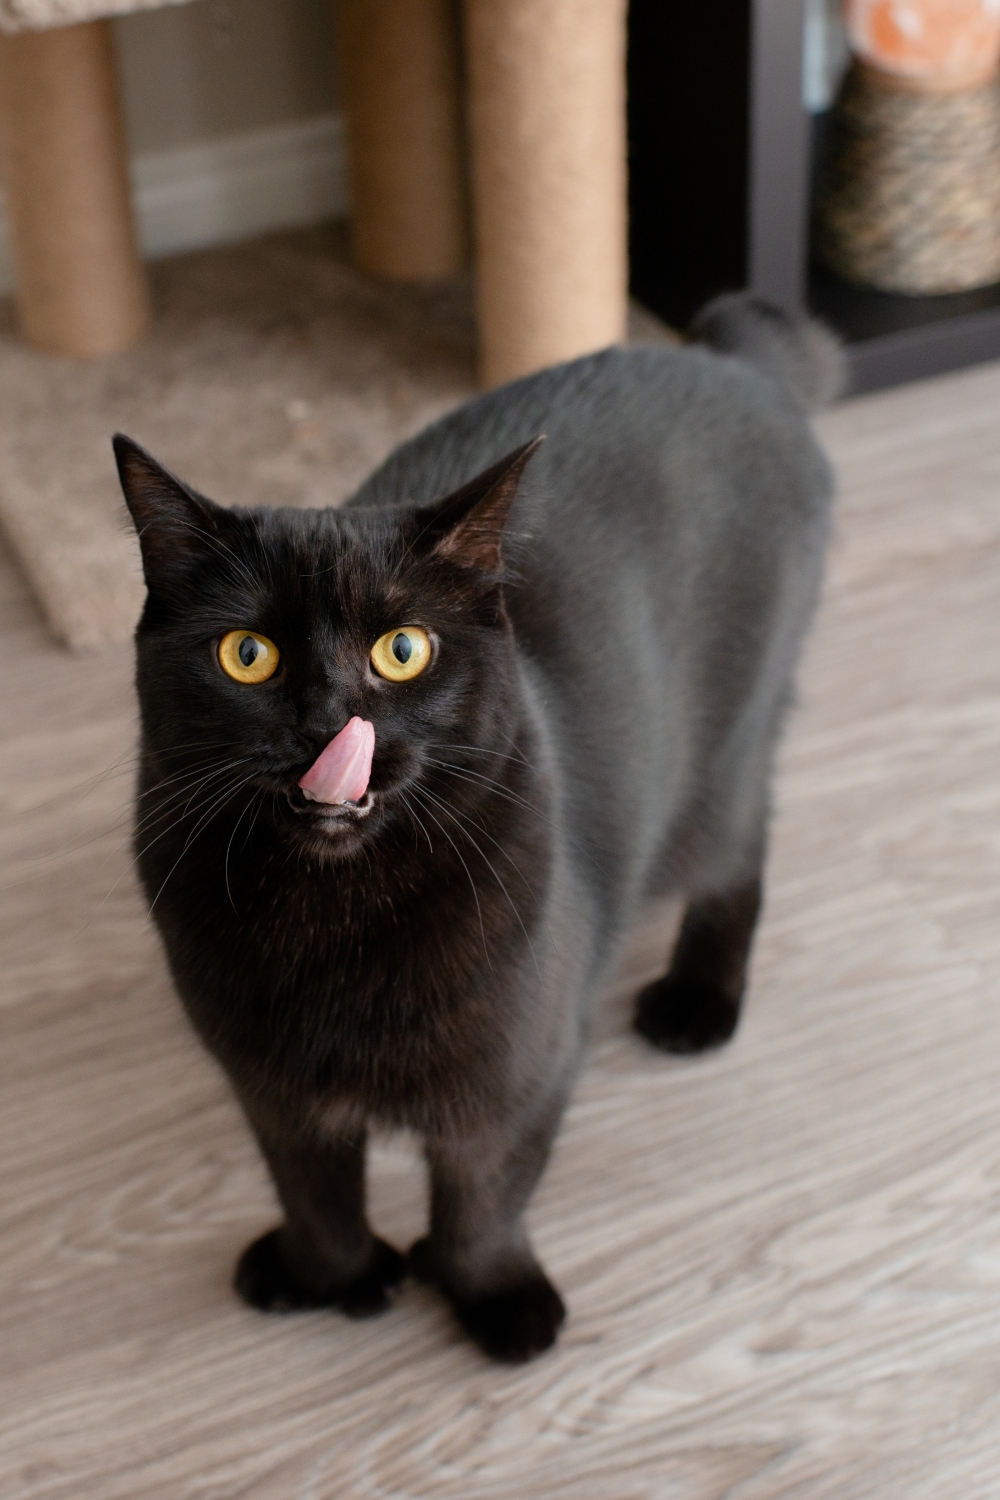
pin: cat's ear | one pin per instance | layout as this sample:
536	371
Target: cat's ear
467	526
176	525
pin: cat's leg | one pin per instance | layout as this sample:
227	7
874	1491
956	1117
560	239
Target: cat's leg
324	1254
697	1004
478	1250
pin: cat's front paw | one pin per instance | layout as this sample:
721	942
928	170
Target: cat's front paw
516	1324
685	1015
266	1281
368	1294
513	1325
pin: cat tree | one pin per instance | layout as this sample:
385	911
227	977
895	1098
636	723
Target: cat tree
543	129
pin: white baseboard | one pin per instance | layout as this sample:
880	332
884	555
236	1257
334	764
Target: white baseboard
230	189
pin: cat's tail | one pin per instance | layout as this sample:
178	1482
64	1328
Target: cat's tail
799	353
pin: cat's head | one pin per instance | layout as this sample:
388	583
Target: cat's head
266	632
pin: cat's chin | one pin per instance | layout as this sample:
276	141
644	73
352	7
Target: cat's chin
331	828
337	814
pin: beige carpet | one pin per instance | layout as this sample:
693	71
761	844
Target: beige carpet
275	374
782	1262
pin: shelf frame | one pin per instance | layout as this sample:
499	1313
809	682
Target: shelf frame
731	81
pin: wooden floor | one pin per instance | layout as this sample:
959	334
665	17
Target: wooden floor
782	1263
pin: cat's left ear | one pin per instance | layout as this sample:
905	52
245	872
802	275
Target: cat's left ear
467	526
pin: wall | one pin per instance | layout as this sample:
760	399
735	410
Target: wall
218	67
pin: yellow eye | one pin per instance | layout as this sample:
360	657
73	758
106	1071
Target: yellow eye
400	655
246	656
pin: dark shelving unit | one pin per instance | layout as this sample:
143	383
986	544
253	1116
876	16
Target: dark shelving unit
721	157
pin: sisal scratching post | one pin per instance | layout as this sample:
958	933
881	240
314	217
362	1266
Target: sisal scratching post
400	66
547	137
81	287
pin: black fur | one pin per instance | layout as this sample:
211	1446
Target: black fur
616	619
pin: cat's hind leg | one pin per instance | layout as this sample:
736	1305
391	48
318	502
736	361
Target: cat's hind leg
324	1254
696	1005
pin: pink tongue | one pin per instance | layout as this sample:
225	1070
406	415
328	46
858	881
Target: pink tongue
340	772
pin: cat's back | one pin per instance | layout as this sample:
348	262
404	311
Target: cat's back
626	430
666	548
666	474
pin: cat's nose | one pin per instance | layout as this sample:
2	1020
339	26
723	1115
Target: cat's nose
313	739
315	731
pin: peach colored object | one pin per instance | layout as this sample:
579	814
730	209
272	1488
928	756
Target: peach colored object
927	44
341	772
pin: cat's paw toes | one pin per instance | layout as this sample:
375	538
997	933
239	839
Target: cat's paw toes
266	1281
368	1294
516	1324
685	1016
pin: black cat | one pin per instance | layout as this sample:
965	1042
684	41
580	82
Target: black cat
410	769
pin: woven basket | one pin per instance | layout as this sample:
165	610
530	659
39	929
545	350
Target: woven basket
909	196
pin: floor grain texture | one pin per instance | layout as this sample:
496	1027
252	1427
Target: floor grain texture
782	1262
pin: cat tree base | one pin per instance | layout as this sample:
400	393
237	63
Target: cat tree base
546	120
546	117
81	285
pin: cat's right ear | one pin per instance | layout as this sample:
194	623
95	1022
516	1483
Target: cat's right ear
176	525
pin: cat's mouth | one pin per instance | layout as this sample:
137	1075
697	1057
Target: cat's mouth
332	816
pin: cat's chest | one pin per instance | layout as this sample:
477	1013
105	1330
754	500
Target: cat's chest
367	985
388	983
339	941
